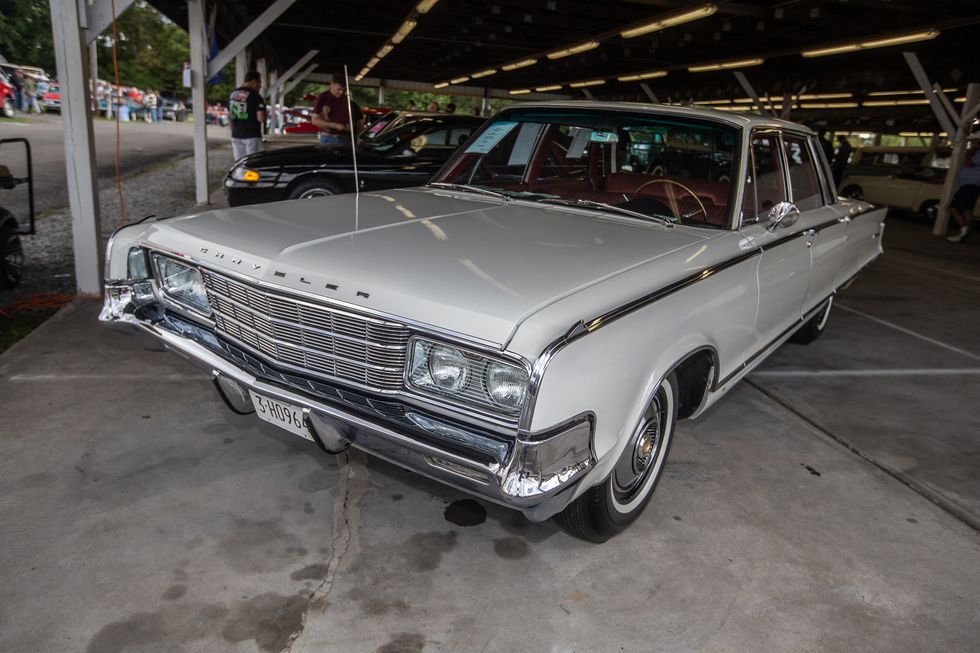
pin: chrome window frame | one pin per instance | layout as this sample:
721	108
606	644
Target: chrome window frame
778	132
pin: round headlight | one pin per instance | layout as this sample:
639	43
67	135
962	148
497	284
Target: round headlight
448	368
506	385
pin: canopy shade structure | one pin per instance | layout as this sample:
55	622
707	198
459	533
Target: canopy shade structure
685	51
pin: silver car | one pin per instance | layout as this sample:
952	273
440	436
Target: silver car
531	325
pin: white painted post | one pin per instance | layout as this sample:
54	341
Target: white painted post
956	161
195	30
70	50
381	93
93	64
263	73
272	93
241	67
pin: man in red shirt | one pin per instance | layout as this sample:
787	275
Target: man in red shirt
331	115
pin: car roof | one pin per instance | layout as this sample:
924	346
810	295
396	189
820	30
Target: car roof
742	120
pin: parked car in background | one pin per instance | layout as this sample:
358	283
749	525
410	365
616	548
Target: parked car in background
392	120
528	327
11	228
407	156
7	108
173	110
51	99
916	186
885	160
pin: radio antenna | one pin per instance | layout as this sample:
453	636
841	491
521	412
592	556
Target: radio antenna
353	137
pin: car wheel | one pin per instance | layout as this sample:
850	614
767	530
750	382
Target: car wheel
312	188
614	504
814	326
853	192
8	108
930	209
11	256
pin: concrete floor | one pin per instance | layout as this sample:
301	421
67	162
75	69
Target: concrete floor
823	506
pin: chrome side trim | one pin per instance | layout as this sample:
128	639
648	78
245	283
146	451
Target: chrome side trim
772	343
581	329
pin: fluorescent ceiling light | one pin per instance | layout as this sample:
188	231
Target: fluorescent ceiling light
403	31
639	76
440	85
591	82
523	63
459	80
828	105
917	134
663	23
882	93
545	89
373	62
825	96
575	49
385	50
876	43
742	63
520	91
892	103
424	6
485	73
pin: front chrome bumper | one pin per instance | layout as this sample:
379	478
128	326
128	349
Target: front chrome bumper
536	473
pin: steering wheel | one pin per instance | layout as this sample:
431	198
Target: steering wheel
671	199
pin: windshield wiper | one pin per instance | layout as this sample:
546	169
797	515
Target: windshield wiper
471	189
602	206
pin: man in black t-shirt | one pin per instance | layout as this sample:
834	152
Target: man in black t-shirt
247	111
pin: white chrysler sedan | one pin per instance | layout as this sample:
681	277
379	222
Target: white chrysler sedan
529	326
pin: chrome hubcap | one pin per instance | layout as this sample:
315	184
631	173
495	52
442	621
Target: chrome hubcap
633	471
646	444
315	192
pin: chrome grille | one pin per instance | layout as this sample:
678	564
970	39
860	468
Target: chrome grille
326	341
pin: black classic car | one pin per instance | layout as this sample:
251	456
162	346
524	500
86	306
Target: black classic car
405	155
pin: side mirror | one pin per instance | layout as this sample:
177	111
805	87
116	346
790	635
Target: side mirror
783	215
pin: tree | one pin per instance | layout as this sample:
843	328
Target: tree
25	33
150	50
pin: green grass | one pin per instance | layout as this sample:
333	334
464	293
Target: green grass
19	325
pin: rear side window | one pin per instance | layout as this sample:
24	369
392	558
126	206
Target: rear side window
765	186
802	174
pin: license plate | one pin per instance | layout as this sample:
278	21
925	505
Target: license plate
285	416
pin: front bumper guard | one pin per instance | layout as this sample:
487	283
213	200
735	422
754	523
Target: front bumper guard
536	474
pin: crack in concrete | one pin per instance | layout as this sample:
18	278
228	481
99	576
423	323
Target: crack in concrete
340	546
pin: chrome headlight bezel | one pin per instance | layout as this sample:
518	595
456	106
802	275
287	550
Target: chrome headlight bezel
474	390
200	306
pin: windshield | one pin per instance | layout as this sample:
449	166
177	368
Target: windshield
663	166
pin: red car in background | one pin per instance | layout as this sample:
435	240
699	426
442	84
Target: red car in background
371	114
51	100
6	97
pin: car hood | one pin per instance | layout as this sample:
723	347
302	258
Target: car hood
473	266
319	155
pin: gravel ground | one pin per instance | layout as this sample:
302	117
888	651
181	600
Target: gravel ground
165	190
